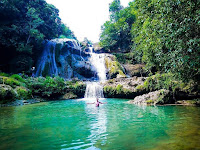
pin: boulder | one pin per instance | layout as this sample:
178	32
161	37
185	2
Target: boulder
23	93
69	95
114	68
152	98
135	70
7	93
123	87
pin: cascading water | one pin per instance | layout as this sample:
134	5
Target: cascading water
48	59
57	58
95	89
64	58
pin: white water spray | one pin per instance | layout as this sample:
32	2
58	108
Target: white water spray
95	89
47	61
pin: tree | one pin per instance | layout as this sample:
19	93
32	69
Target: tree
114	9
165	36
116	35
24	25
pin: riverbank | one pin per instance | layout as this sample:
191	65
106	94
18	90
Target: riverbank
159	89
31	90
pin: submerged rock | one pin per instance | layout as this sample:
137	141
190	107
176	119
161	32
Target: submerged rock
152	98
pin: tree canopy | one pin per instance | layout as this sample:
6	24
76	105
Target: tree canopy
24	25
162	34
116	33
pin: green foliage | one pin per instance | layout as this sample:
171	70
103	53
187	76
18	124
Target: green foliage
76	87
47	87
17	77
4	74
166	81
55	87
124	58
24	25
12	82
117	92
114	9
165	36
66	32
7	93
23	93
116	33
114	68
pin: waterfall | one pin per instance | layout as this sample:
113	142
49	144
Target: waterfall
48	62
95	89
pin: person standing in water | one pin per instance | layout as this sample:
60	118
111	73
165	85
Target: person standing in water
97	102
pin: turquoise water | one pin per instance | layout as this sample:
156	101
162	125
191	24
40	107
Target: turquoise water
73	124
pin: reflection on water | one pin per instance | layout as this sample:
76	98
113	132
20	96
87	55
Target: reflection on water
73	124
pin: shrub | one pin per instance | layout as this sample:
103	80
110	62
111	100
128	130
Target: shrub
12	82
77	87
124	58
47	87
7	93
166	81
23	93
117	92
4	74
17	77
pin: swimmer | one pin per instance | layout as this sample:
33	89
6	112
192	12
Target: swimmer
97	103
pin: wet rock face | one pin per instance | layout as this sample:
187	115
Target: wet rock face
64	58
135	70
114	68
128	83
123	87
152	98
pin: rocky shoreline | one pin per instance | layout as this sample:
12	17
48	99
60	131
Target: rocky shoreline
22	102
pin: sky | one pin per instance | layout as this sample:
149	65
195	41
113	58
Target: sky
84	17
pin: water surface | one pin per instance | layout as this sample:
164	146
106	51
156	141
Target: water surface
73	124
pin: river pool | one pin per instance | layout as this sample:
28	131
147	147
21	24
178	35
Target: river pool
73	124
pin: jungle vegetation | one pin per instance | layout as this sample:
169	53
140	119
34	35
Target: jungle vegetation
24	25
162	34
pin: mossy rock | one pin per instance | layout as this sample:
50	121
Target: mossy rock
23	93
167	81
114	68
10	81
135	70
157	97
117	92
7	93
194	102
69	95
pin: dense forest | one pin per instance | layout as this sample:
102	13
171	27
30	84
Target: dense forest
162	34
24	25
159	38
